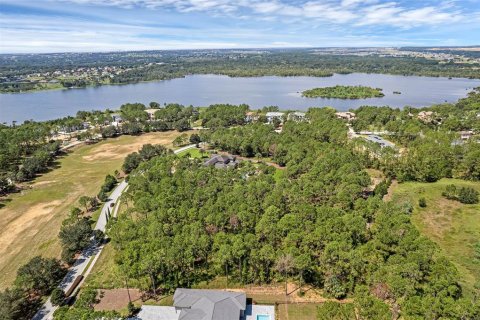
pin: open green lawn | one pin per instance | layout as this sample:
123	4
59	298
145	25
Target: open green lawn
30	220
454	226
193	153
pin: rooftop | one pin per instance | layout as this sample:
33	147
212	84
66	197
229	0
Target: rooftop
198	304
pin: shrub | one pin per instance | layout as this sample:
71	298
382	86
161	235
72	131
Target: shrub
58	297
468	195
422	202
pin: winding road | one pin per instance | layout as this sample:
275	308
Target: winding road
89	256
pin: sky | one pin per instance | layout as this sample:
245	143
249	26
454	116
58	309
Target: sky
42	26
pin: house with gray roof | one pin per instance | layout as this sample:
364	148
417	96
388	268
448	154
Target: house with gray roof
195	304
198	304
222	161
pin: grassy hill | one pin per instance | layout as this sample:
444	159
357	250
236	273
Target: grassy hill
453	226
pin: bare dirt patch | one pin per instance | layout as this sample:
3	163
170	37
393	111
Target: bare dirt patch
27	221
391	189
113	151
116	299
277	293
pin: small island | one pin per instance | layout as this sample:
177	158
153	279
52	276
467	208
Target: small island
344	92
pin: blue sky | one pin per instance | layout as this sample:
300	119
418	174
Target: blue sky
104	25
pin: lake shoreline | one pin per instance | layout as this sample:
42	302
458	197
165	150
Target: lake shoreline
257	92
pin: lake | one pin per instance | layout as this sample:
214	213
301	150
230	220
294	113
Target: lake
203	90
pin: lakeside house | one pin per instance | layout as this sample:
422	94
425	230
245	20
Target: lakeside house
222	161
116	119
151	113
349	116
297	116
428	117
198	304
271	116
251	116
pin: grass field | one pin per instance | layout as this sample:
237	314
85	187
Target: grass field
194	153
30	220
454	226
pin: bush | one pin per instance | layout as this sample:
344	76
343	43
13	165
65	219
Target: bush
465	195
40	275
450	192
102	196
422	202
109	183
109	132
468	195
58	297
75	236
68	256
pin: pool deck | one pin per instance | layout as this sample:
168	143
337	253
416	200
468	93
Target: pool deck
255	310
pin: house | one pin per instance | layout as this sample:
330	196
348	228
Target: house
425	116
465	135
151	113
222	161
271	116
209	304
251	116
197	304
296	116
349	116
116	119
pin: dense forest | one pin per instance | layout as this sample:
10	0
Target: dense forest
312	218
344	92
316	222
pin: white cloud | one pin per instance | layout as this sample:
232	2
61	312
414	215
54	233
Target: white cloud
361	12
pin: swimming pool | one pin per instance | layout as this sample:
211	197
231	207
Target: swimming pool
263	317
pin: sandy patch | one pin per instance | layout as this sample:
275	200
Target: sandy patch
112	151
116	299
42	183
35	215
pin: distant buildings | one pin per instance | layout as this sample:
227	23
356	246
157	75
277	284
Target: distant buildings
428	117
151	113
271	116
349	116
116	119
296	116
251	116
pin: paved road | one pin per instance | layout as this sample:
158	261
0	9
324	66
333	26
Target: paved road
92	252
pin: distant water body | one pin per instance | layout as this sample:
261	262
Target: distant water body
257	92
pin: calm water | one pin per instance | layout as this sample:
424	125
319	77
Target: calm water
203	90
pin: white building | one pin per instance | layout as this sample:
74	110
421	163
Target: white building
274	115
